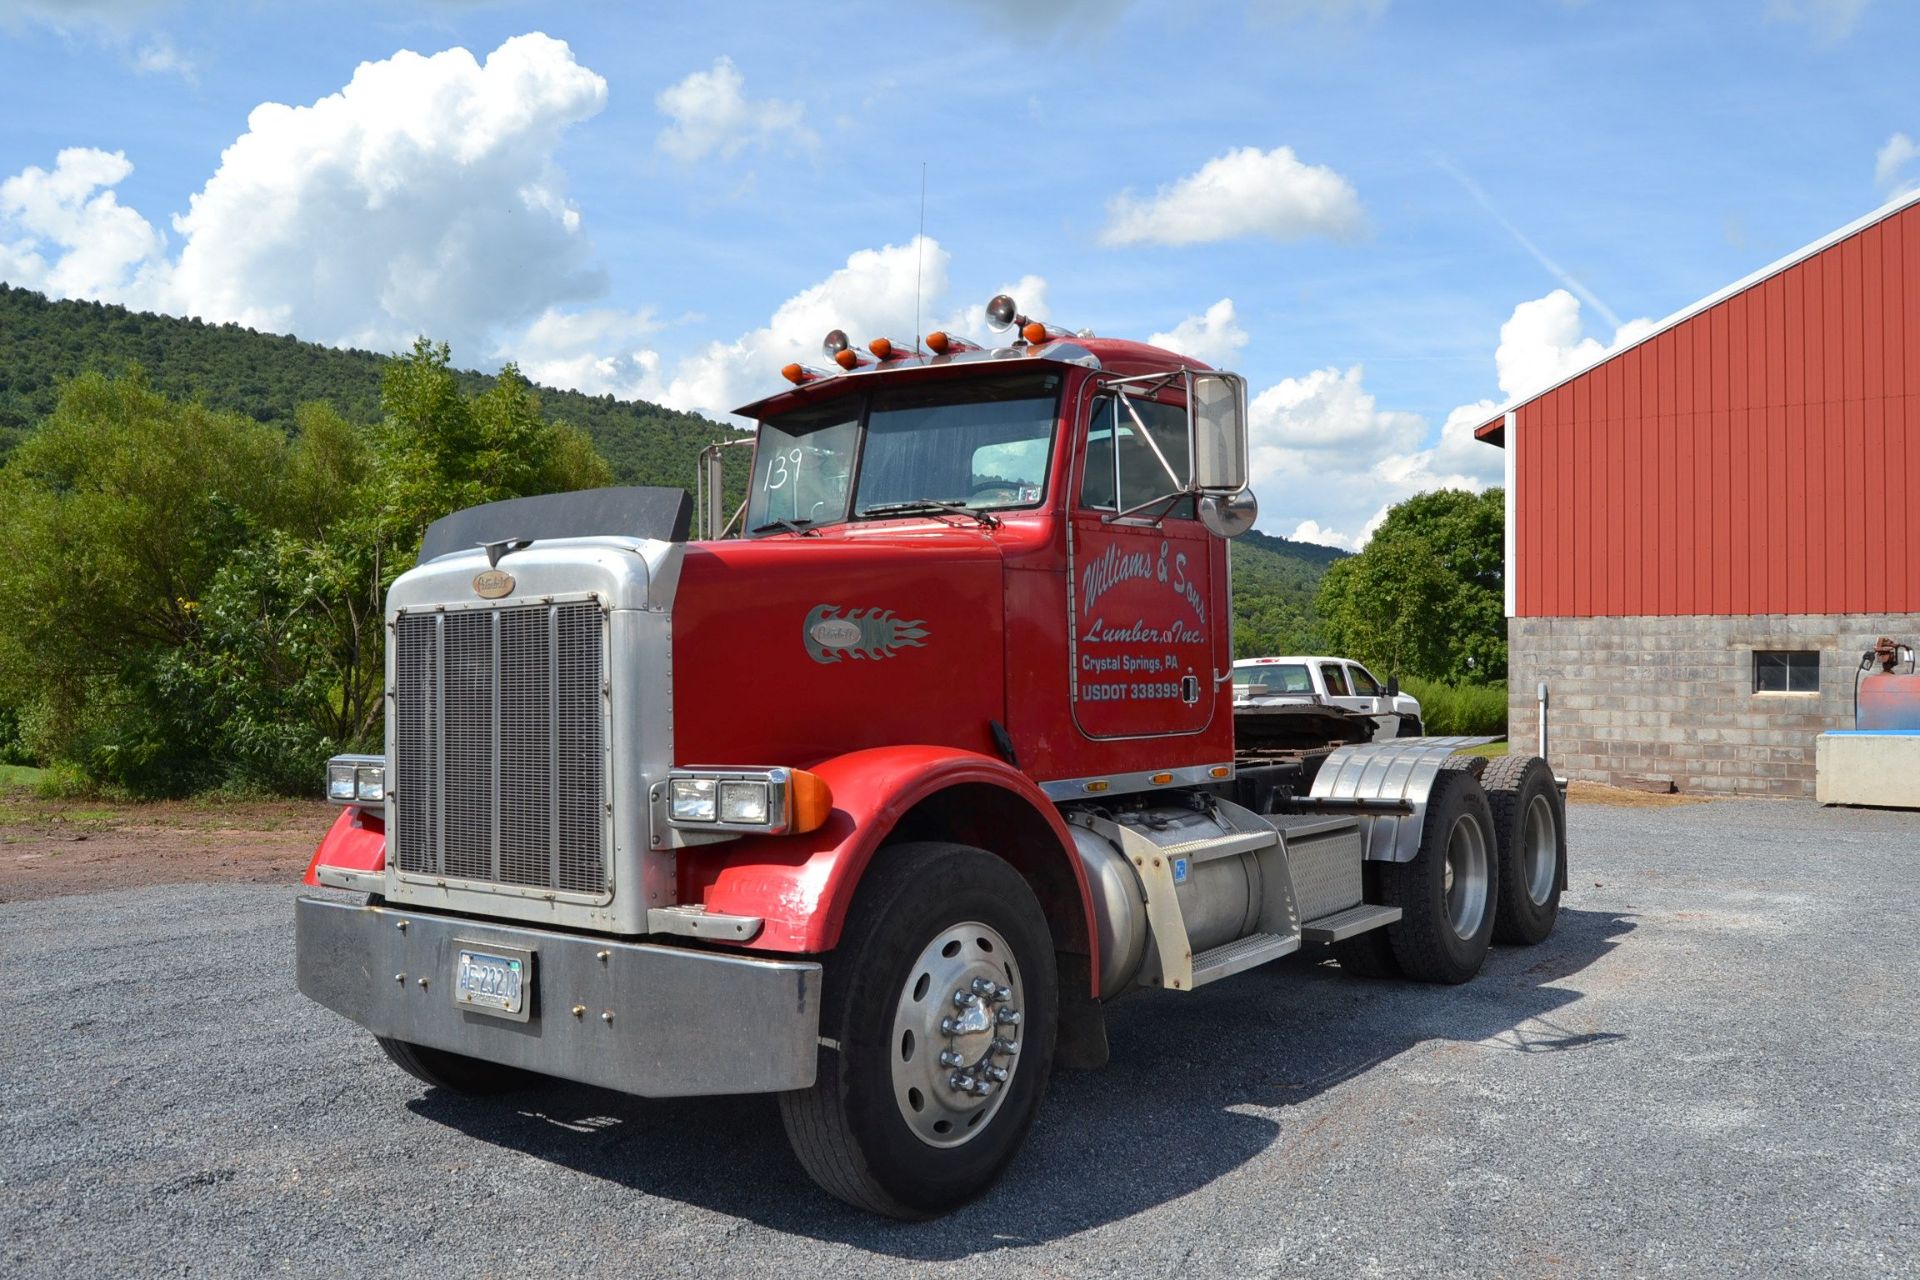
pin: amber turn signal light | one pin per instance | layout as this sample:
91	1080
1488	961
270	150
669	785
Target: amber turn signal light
812	801
794	373
937	342
847	359
1034	332
881	347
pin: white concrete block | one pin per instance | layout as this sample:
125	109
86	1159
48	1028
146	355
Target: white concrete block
1864	767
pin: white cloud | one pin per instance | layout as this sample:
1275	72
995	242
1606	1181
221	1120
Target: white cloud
1541	343
710	114
1213	336
599	352
1246	192
1328	462
1830	20
158	57
872	295
1890	164
64	231
423	197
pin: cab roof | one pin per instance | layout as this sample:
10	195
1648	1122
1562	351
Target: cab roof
1109	355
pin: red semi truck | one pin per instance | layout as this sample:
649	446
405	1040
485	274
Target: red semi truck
878	803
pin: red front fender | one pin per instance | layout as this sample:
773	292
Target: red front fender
802	885
357	841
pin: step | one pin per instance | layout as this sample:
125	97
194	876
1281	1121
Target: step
1233	957
1342	925
1208	848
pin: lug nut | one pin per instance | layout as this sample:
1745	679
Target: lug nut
996	1074
1002	994
965	998
1005	1046
982	1089
948	1058
983	986
962	1083
1007	1017
948	1026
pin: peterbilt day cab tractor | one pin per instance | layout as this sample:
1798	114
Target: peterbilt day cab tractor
877	805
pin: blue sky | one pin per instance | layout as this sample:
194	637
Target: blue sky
1380	211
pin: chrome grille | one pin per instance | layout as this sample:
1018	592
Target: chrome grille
499	746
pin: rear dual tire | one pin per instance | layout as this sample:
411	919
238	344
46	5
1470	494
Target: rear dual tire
1531	821
1447	893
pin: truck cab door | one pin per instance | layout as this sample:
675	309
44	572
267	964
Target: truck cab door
1144	598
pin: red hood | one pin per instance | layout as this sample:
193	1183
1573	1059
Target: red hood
787	650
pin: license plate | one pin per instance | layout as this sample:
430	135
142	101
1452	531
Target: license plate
495	981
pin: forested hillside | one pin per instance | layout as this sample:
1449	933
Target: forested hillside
1274	584
265	377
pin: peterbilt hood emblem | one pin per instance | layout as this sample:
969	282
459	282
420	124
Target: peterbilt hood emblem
492	584
832	633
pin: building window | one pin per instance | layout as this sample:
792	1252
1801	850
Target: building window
1786	671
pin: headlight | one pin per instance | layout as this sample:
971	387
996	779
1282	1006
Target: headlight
718	802
744	802
693	799
357	779
339	781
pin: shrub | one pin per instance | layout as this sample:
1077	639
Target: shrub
1476	709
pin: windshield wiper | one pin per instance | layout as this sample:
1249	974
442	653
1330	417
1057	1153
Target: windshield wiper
927	506
791	526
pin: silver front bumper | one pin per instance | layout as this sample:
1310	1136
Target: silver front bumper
653	1020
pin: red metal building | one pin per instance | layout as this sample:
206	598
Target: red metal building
1719	508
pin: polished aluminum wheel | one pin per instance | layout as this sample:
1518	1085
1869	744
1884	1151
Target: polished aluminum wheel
1466	877
1540	846
956	1034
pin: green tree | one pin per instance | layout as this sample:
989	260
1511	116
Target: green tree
195	599
1426	596
115	518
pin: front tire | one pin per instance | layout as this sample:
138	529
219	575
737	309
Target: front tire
939	1011
1447	893
455	1072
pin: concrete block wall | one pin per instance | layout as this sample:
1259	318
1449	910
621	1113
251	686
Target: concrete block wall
1673	697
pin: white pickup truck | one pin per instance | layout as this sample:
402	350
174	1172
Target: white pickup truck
1329	681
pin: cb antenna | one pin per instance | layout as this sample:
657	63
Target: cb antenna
919	251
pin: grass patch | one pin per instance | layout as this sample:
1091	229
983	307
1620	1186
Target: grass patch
20	775
1491	750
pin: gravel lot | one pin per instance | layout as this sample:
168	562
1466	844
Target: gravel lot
1711	1069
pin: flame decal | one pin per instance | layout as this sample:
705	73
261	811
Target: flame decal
832	633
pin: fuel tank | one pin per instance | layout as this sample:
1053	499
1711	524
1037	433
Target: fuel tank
1889	700
787	650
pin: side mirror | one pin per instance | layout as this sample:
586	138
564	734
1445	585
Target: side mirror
1218	421
1393	686
1228	515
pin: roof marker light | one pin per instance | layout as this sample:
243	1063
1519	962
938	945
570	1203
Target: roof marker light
942	343
1034	332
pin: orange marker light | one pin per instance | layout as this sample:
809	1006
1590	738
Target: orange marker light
1034	332
812	801
1161	779
937	342
1221	771
847	358
794	373
881	347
